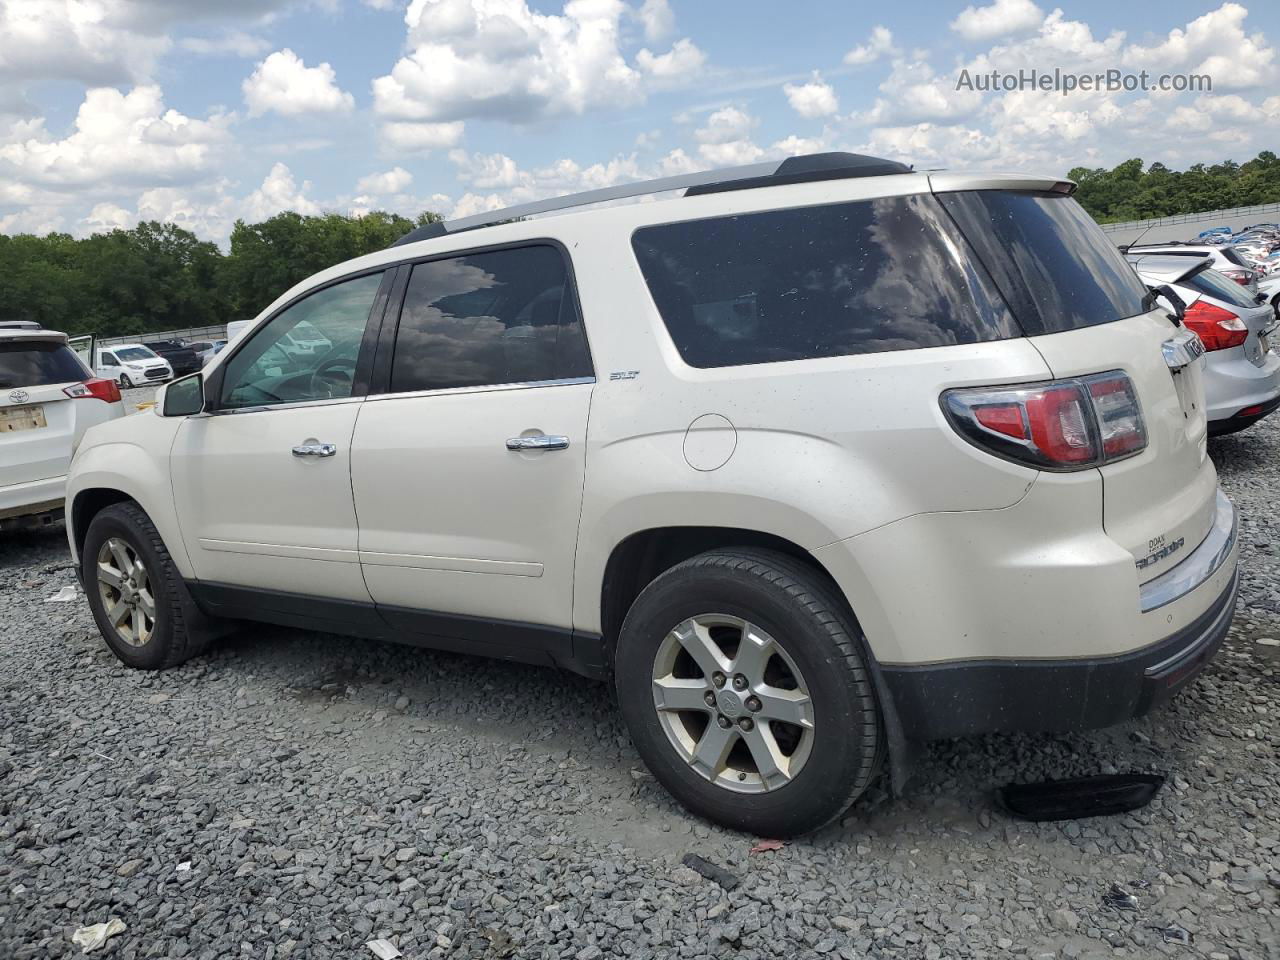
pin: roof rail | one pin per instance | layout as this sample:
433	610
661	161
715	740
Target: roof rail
19	325
770	173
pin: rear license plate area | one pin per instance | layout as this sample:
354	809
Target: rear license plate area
13	419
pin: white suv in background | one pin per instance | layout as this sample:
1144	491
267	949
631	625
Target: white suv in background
48	399
811	461
132	364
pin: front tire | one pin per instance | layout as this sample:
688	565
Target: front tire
740	677
137	595
125	382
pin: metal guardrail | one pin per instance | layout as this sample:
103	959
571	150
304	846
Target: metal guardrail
218	332
1209	216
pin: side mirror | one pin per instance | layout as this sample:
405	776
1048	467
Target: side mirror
183	398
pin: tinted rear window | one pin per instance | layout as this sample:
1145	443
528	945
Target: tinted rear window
1234	257
1213	284
865	277
38	365
1055	266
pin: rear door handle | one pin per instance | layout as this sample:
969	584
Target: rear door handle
315	450
540	442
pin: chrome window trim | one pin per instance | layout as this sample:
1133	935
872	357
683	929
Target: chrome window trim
1200	565
480	388
291	405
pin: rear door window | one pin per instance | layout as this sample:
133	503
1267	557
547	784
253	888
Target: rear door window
490	318
871	276
39	364
1054	265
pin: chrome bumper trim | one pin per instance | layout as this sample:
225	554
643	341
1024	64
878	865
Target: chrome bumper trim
1202	563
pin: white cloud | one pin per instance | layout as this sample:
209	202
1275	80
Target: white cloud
396	180
813	99
879	44
659	22
682	61
234	43
726	125
118	138
1214	44
913	92
1001	17
279	192
794	146
409	136
92	42
105	217
499	59
284	84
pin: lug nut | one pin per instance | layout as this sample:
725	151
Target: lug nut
718	678
746	723
724	722
709	698
753	704
739	682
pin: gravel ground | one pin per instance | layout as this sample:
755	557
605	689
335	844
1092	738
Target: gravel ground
296	795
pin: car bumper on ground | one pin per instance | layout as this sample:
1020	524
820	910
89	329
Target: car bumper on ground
33	501
938	701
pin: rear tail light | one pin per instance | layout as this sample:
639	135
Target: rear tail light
105	390
1057	425
1239	275
1219	329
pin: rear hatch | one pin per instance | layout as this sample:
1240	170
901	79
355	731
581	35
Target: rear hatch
1085	310
37	418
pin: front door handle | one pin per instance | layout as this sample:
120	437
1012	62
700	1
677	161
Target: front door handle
540	442
315	450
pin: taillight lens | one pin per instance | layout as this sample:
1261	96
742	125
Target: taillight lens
105	390
1219	329
1060	425
1239	275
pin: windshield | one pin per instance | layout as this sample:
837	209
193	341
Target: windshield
1054	265
1213	284
134	353
38	365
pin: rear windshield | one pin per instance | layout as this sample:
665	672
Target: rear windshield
1213	284
1053	263
39	365
866	277
1234	257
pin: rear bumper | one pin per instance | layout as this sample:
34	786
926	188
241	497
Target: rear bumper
956	700
1239	421
32	498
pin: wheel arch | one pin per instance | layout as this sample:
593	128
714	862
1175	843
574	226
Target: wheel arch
637	559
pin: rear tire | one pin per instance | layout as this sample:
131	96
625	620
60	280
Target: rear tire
137	595
757	622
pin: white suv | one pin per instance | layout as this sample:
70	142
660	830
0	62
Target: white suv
815	460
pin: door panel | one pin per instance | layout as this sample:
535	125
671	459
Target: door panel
254	514
453	521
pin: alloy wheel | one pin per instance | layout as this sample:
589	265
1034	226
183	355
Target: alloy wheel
124	586
733	703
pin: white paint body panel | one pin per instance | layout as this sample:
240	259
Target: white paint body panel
453	521
254	515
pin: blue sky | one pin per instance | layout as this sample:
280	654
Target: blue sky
205	111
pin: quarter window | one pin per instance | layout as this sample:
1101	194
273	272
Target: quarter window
308	351
505	316
827	281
